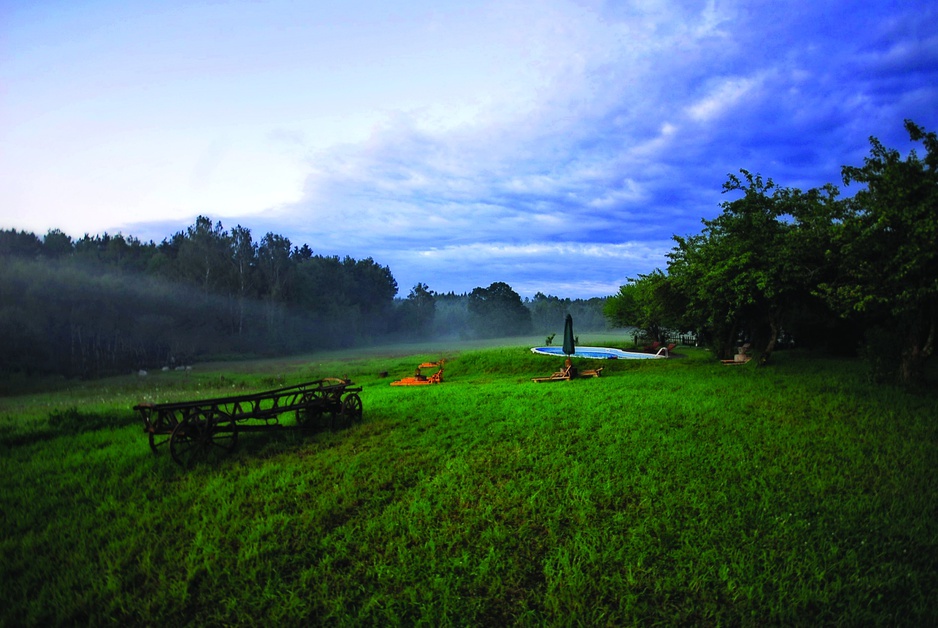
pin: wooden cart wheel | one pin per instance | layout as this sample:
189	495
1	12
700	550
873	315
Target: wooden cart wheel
334	419
310	414
158	439
332	406
351	409
161	430
200	436
225	435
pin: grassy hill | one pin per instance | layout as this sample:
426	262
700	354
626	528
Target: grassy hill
674	491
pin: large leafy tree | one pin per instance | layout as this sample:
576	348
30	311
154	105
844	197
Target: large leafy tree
20	244
736	275
370	285
201	255
275	269
498	311
371	288
548	312
886	248
649	302
242	255
806	263
416	312
56	244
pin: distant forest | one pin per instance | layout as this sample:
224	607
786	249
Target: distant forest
107	304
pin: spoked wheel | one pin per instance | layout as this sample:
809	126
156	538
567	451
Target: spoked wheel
351	410
200	436
334	419
160	431
311	414
332	407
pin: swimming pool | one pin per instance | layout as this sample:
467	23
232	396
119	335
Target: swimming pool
597	353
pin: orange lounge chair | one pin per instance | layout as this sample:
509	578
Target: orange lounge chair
568	373
564	374
421	380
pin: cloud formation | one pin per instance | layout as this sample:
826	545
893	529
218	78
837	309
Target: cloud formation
555	145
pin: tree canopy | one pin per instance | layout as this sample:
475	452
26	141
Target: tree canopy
781	259
886	245
498	311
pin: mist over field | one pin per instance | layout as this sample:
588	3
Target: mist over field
112	304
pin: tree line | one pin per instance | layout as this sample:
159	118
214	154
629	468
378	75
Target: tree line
840	274
108	303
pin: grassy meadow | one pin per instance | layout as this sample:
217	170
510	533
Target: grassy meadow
665	492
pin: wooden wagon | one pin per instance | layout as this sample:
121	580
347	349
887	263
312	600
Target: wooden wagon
198	429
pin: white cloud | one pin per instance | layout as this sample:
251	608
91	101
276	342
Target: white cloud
531	267
507	138
721	98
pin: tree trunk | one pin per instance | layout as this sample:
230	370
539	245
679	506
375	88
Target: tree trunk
920	341
727	348
773	339
911	367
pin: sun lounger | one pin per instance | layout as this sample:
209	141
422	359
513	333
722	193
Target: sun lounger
568	373
564	374
421	380
742	356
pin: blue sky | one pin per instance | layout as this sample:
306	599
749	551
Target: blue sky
556	145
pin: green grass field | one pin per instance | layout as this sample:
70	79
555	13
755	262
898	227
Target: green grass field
665	492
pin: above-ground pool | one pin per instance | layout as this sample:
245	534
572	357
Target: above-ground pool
598	353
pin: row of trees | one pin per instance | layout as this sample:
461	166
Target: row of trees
827	270
103	304
208	260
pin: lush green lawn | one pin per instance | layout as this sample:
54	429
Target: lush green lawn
677	491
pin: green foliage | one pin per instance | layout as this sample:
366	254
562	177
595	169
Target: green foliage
417	312
649	303
780	259
56	244
451	316
548	313
798	495
15	243
622	308
890	234
108	304
737	276
497	311
887	244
